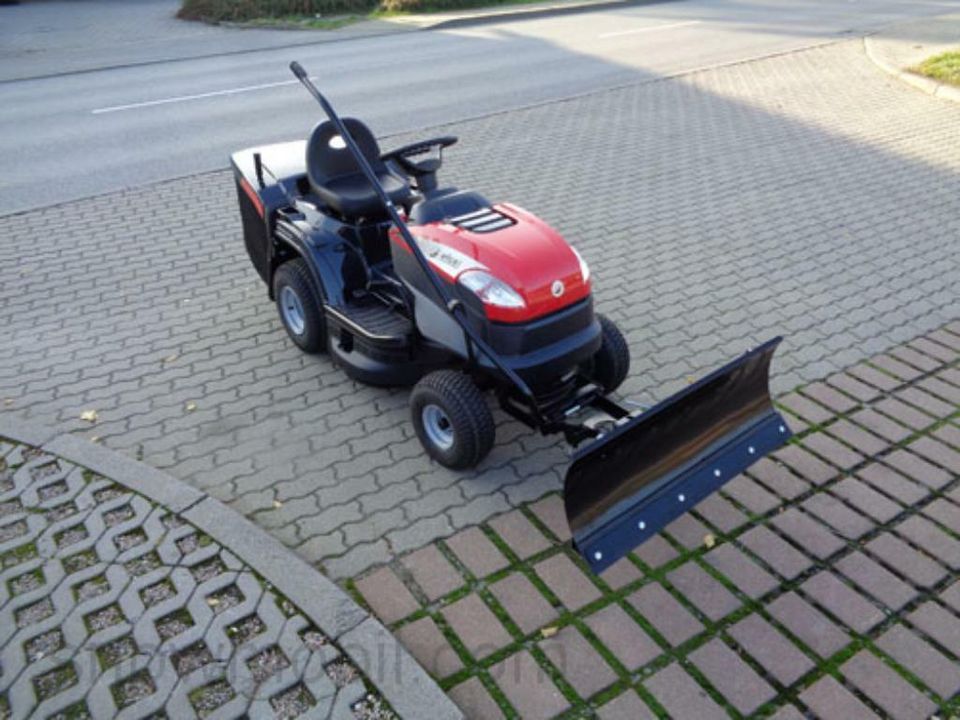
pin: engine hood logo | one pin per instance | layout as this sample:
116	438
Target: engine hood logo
557	288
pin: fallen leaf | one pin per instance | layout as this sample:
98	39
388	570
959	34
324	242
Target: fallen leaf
212	601
277	504
549	632
709	540
95	438
191	406
691	379
8	401
89	415
170	359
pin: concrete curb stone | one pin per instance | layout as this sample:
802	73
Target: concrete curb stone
924	84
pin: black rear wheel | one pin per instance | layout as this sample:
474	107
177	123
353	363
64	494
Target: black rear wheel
299	306
452	419
610	365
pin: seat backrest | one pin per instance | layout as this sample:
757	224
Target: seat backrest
329	157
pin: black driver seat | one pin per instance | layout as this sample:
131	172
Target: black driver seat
337	179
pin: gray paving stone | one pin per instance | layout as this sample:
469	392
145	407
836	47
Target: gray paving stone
519	534
432	572
476	626
387	595
623	637
567	581
876	581
751	579
528	687
625	706
426	643
807	533
523	602
778	656
579	663
917	568
735	680
707	594
475	701
775	551
673	621
477	552
844	602
828	698
939	623
681	696
939	673
811	626
887	689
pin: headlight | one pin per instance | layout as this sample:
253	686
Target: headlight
584	268
491	290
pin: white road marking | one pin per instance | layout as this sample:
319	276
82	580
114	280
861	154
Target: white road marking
199	96
648	28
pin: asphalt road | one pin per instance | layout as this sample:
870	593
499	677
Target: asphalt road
81	134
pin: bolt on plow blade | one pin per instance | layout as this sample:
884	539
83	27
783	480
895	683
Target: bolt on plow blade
627	485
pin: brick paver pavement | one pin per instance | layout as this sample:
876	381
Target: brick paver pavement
806	194
866	624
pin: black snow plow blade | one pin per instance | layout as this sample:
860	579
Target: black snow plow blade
624	487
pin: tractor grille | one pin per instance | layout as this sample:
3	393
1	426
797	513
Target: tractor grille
483	221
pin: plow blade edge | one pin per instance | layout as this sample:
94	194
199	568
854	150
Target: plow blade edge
624	487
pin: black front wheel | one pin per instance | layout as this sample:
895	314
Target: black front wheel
299	306
452	419
610	365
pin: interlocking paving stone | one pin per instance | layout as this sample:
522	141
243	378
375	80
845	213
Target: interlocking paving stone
426	643
807	533
665	613
625	706
735	680
887	689
937	672
682	696
519	534
477	552
810	625
523	602
387	595
939	623
623	637
432	572
778	656
567	581
876	580
893	551
476	626
829	699
706	593
475	701
776	552
582	666
844	602
748	576
528	687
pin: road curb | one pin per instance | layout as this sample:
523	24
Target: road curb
924	84
396	674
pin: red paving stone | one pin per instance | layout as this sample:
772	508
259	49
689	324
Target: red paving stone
749	578
706	593
884	687
567	581
944	512
688	531
776	552
387	596
842	601
811	626
876	581
621	573
673	621
623	637
833	451
807	533
938	453
902	558
476	626
550	512
721	513
771	649
893	483
806	465
477	552
519	534
753	496
682	696
828	699
528	687
779	478
581	665
934	669
426	643
939	623
475	700
523	602
625	706
832	511
867	500
656	552
432	572
735	680
920	531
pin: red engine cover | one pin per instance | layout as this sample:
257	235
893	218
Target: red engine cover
529	256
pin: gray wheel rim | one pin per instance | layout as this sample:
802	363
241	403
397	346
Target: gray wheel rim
437	426
292	310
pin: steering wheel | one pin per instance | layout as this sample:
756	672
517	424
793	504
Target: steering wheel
418	168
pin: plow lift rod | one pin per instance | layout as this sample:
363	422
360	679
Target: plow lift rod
453	306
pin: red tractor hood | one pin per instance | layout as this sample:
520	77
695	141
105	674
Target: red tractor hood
528	255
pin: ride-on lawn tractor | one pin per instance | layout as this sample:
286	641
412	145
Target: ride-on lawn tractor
408	283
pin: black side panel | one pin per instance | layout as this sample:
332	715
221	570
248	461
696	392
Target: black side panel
254	233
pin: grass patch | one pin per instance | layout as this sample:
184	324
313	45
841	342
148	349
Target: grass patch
944	67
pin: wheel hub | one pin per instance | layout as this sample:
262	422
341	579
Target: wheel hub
292	310
437	426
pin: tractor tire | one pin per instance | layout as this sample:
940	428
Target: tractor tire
452	419
299	306
610	365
